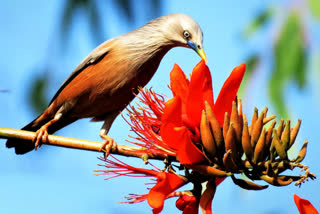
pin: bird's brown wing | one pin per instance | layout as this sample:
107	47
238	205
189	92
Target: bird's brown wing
95	56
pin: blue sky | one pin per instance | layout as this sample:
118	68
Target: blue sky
58	180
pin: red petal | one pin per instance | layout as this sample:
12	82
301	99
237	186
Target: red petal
171	119
304	206
207	84
171	136
172	112
195	104
179	83
228	93
187	152
181	202
207	197
188	204
166	184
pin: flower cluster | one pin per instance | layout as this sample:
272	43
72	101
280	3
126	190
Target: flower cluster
209	139
173	127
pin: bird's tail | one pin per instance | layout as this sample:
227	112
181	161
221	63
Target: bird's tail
24	146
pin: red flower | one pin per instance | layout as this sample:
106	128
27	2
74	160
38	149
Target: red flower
166	184
173	128
304	206
182	114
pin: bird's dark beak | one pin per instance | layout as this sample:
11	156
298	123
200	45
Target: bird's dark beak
199	50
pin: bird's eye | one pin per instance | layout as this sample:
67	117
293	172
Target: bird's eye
186	34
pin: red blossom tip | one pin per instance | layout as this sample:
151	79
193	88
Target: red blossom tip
200	90
179	82
228	93
304	206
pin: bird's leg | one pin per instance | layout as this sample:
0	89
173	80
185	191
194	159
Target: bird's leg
42	133
108	141
108	144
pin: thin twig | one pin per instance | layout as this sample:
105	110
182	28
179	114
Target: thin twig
73	143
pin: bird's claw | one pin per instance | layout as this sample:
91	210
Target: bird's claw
41	135
108	144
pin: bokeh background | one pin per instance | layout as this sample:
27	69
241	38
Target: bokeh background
43	41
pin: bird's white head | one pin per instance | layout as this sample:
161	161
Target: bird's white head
169	31
182	30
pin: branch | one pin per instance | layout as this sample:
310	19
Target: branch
73	143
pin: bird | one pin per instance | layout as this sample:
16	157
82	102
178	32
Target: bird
107	80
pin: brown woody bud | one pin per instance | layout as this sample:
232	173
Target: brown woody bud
240	113
234	118
247	184
294	132
279	147
226	124
275	181
215	127
206	136
230	142
280	128
260	148
228	162
302	153
268	119
285	136
256	130
269	134
246	145
253	119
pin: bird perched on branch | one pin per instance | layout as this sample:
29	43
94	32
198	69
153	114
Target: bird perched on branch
104	83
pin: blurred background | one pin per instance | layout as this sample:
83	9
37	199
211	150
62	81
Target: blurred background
43	41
